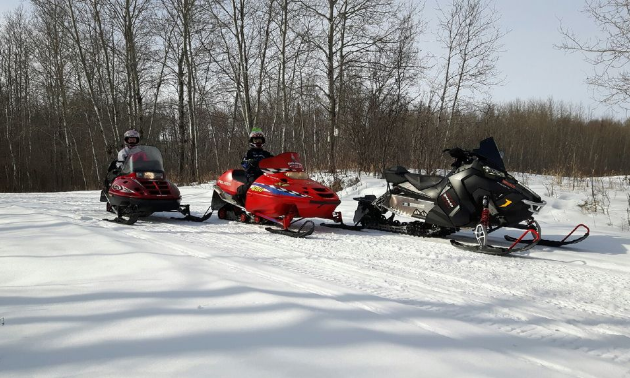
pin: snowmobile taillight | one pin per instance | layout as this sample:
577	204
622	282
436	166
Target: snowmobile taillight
535	207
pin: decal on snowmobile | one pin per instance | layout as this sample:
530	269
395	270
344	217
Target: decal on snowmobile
413	204
294	163
505	182
419	214
448	200
277	190
280	183
226	183
121	188
257	188
507	203
276	170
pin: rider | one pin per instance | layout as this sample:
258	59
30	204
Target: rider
250	162
131	139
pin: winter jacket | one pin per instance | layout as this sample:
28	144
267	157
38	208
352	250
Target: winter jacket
251	160
123	154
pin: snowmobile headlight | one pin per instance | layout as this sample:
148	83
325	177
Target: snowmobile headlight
493	172
297	175
150	175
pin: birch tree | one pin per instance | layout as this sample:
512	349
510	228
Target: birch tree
609	54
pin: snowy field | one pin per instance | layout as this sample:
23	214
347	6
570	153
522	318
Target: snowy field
81	297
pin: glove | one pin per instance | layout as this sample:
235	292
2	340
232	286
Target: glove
249	163
457	153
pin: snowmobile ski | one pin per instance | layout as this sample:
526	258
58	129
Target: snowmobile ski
556	243
121	213
305	230
496	250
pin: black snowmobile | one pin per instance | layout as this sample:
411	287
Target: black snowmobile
477	194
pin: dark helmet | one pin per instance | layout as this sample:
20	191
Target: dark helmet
132	138
256	138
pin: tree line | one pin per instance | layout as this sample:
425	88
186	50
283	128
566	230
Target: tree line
345	83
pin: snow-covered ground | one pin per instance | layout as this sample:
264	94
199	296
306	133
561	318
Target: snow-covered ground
80	297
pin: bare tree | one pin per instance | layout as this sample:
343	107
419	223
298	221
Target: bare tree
348	30
610	53
243	29
469	33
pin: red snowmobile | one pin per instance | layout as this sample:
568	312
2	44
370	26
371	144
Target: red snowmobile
141	189
284	194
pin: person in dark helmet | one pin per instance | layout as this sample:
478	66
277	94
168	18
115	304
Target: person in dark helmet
250	162
131	140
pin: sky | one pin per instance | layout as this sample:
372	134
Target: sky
532	67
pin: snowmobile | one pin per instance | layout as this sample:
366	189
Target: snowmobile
283	195
478	194
141	189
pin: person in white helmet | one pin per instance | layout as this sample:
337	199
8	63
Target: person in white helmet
131	138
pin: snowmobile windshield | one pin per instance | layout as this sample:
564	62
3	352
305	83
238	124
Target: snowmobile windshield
144	159
289	161
489	153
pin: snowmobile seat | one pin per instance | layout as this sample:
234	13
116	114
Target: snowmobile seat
395	175
239	175
422	182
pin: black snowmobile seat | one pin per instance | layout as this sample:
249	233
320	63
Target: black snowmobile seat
239	175
395	175
422	182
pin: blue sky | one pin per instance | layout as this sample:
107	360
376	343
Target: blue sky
531	63
532	67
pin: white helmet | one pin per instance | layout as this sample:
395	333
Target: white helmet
256	138
132	138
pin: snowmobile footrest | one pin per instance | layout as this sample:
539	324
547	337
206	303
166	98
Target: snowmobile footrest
343	226
185	210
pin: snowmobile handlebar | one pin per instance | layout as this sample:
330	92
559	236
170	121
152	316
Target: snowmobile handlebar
461	155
